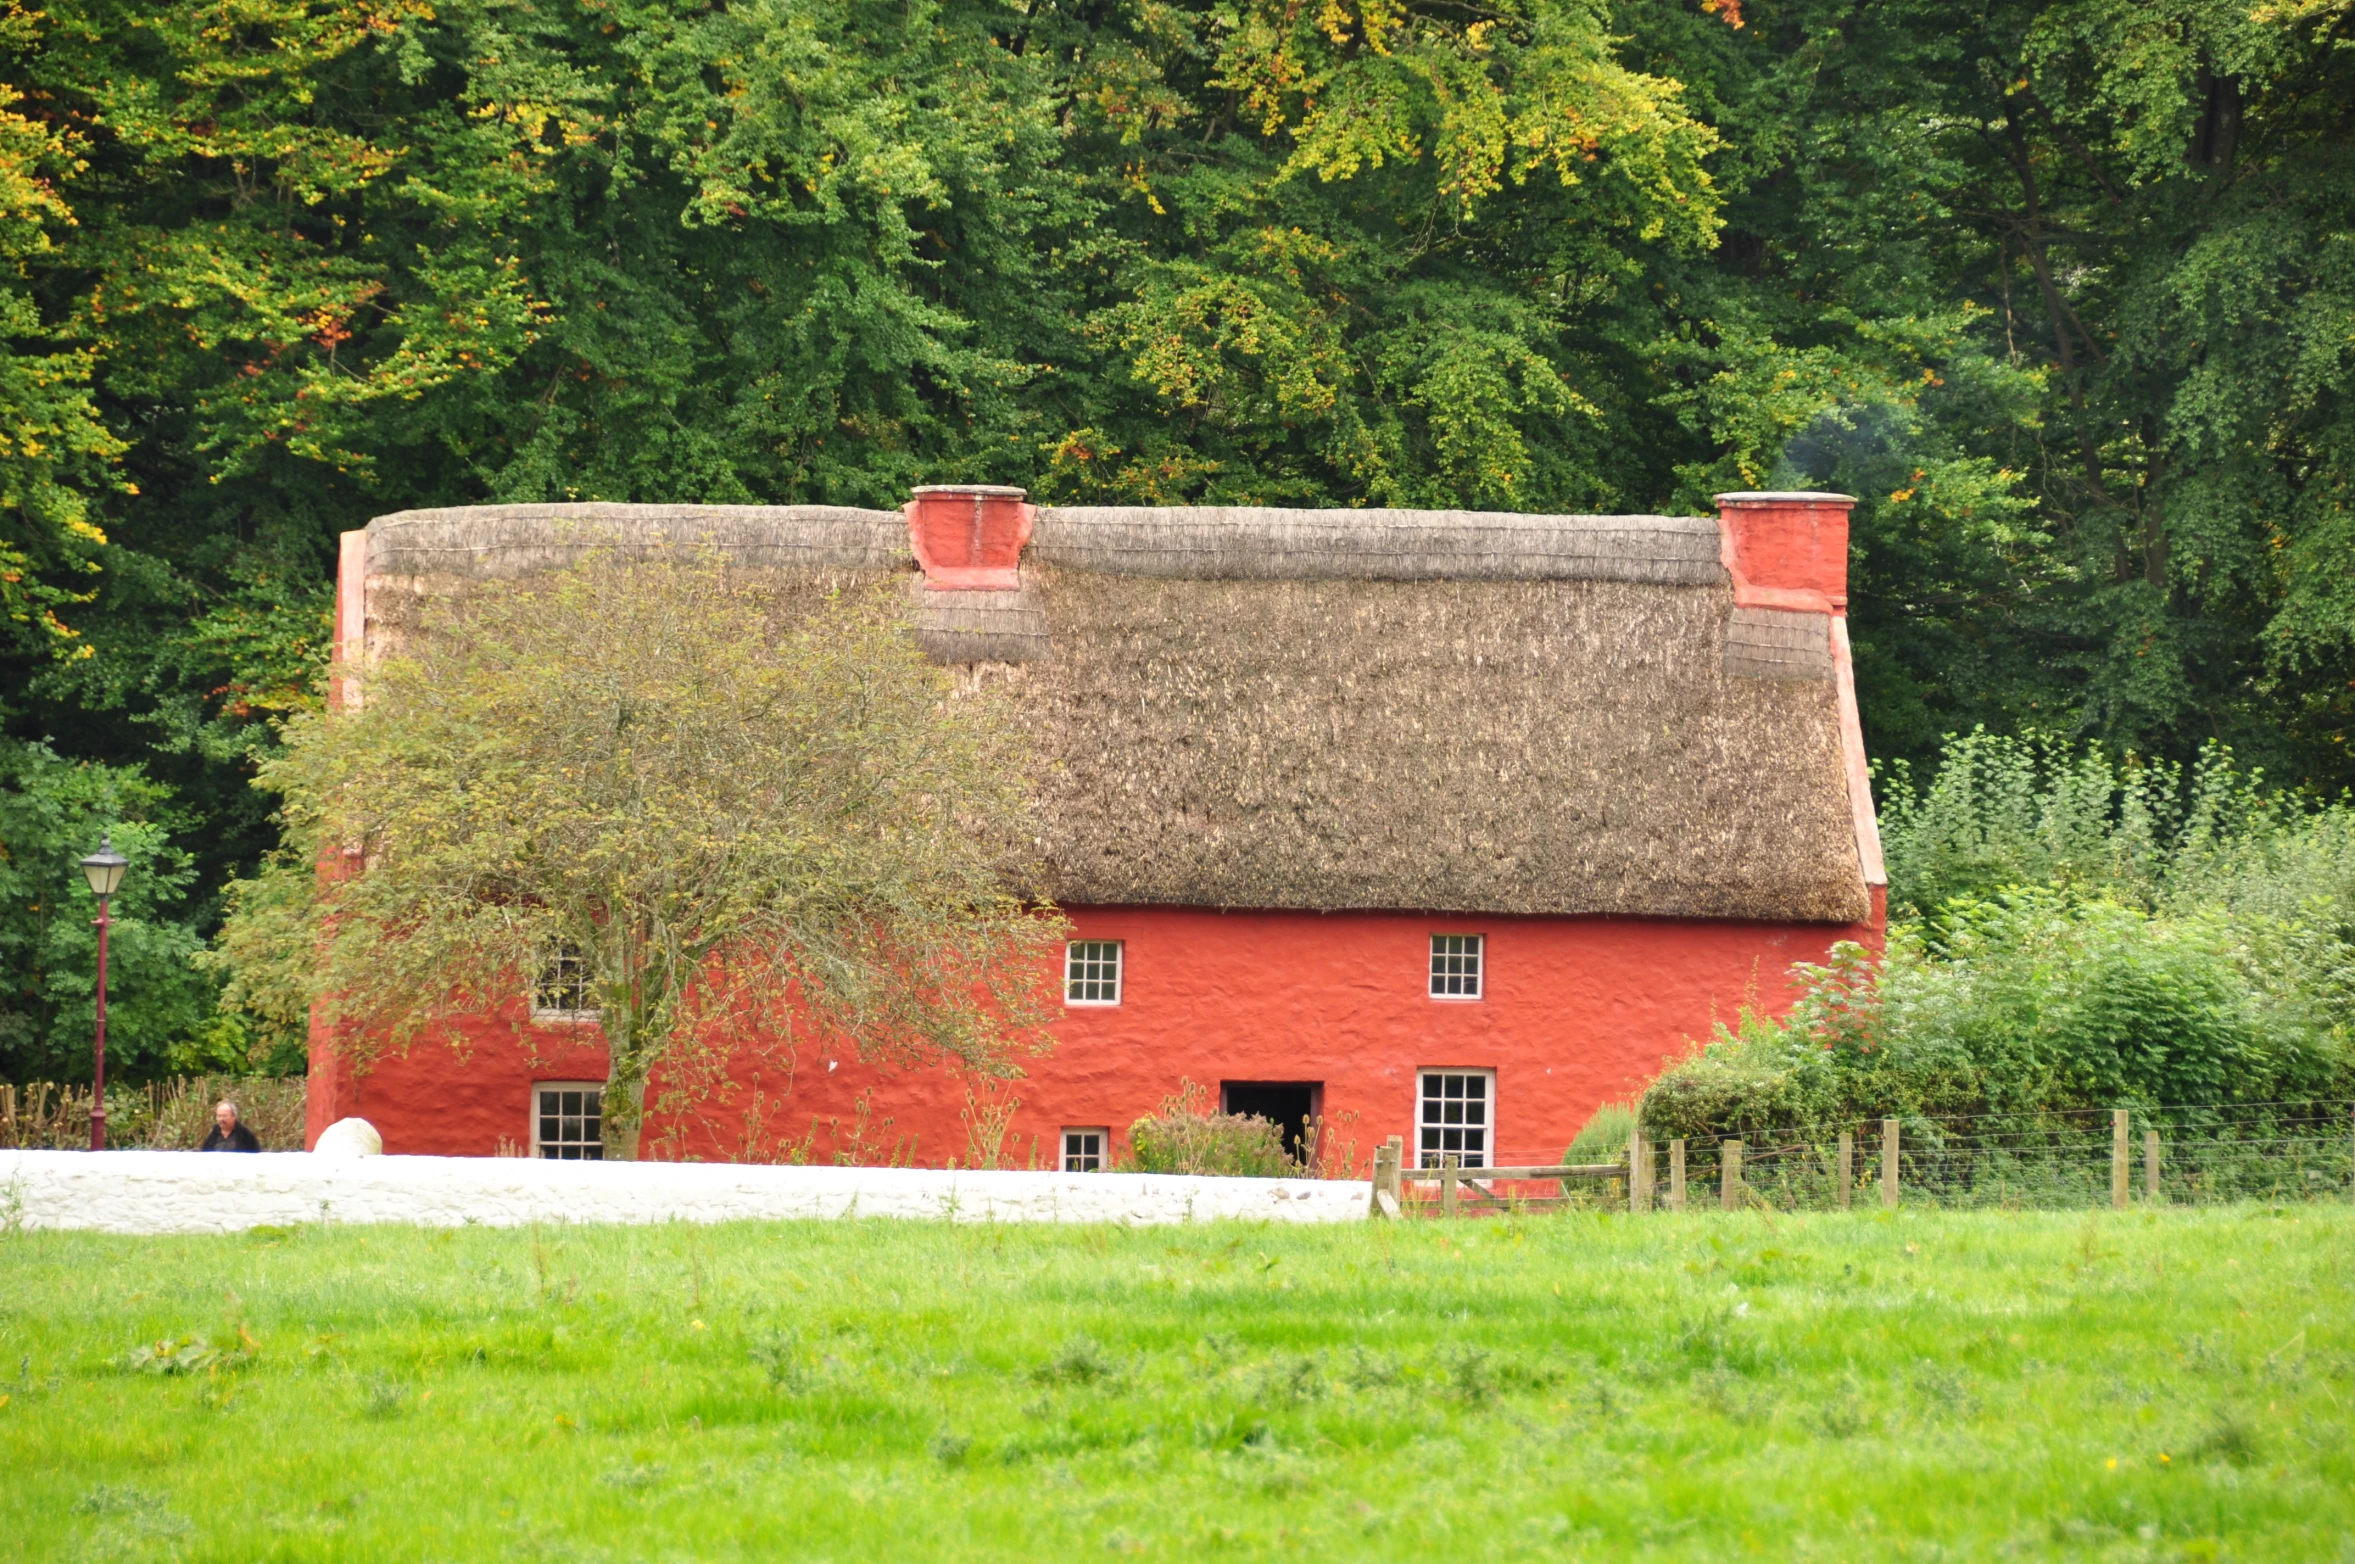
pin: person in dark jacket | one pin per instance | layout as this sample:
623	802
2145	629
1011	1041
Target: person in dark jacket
228	1134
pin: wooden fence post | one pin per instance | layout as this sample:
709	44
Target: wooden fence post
1889	1163
2150	1166
1385	1176
1448	1175
1847	1168
1729	1174
1639	1174
2119	1187
1676	1175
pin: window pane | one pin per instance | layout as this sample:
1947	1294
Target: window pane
1452	1117
1091	972
1455	965
1083	1151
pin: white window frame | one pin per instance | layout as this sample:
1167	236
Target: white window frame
566	1086
1073	962
1446	966
552	978
1103	1152
1427	1156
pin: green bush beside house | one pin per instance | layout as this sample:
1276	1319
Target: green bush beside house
2072	934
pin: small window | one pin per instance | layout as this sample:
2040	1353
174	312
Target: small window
565	990
1455	965
1083	1150
1091	972
567	1121
1455	1117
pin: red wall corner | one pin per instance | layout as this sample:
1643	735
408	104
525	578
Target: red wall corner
350	646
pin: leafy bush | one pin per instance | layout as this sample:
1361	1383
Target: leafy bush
1604	1136
2077	935
2026	1002
1186	1136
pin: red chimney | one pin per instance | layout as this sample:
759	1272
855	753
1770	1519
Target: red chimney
1787	550
969	535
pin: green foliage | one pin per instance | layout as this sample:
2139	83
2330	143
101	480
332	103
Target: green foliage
2059	288
1253	1391
2072	934
651	764
54	447
160	1010
186	1355
2036	810
1187	1136
1604	1136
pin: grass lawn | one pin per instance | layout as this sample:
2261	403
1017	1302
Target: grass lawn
2131	1386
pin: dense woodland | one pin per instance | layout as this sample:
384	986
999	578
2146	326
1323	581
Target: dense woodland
2063	289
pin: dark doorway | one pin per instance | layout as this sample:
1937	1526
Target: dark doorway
1289	1103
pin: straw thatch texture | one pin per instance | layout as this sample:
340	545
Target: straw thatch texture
1776	643
1329	710
1491	746
798	553
515	540
960	627
1210	542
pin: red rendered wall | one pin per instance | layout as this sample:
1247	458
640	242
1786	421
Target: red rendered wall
1578	1011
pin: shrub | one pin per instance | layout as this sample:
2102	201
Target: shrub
2071	932
2025	1002
1604	1136
1187	1137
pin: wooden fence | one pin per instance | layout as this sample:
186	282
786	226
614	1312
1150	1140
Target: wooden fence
1463	1191
2182	1156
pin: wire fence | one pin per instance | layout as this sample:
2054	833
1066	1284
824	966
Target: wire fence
2202	1154
2178	1155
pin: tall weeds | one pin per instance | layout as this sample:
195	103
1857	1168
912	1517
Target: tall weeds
171	1115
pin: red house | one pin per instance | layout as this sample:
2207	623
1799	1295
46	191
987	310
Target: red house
1440	824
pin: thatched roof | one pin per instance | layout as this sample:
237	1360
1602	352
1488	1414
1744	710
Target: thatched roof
1237	543
1338	709
479	541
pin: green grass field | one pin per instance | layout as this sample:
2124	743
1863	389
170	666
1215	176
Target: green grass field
1953	1386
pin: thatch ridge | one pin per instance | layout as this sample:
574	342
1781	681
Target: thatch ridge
516	540
1212	542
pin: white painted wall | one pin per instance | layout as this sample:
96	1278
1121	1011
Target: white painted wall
196	1192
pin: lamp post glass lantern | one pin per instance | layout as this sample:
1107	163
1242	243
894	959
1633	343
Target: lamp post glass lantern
104	870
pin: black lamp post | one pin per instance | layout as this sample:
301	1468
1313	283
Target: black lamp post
104	870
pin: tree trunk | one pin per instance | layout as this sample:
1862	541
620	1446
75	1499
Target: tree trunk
629	1061
625	1109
